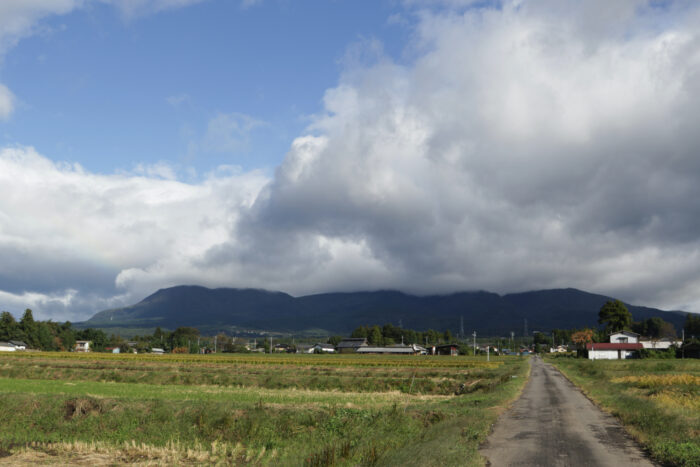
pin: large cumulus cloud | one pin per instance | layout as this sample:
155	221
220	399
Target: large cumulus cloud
539	144
73	242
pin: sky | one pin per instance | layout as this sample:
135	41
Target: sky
428	146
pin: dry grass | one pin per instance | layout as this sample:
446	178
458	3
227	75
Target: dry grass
646	381
133	453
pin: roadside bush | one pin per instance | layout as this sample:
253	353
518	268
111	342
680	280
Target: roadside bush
652	353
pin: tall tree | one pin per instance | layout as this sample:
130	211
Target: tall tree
615	315
8	326
692	325
29	328
375	336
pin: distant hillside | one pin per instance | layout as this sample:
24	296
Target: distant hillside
487	313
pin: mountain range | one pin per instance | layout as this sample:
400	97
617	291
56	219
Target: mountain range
253	310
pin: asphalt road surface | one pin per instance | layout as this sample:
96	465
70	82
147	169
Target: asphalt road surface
554	424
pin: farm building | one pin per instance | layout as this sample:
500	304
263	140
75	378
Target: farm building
624	337
7	347
660	344
19	345
395	350
283	348
351	344
326	348
613	351
82	346
622	345
157	351
445	349
305	348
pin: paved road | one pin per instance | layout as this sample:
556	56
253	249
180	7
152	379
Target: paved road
554	424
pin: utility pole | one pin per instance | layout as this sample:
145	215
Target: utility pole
214	344
474	336
512	341
461	327
270	344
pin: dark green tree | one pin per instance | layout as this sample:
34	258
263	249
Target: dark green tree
183	337
361	331
29	329
9	328
692	325
96	336
447	336
615	316
335	340
375	336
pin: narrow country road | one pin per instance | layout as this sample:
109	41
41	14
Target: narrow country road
554	424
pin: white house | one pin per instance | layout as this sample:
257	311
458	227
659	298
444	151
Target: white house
624	337
413	349
612	351
325	348
157	351
622	345
660	344
7	347
19	345
82	346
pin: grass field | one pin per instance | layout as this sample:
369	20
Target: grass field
658	401
312	410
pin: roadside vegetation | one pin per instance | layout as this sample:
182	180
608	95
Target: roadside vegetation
307	410
658	401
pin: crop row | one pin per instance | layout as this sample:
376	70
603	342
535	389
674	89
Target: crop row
283	359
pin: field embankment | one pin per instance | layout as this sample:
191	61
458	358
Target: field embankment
658	401
309	410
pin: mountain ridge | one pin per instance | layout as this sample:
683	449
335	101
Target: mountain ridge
341	312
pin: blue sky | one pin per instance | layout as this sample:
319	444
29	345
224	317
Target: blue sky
111	91
428	146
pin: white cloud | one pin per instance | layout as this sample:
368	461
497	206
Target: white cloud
525	147
536	145
6	102
64	228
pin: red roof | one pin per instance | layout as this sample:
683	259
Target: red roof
609	346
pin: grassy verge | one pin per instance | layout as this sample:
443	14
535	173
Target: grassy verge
658	401
286	411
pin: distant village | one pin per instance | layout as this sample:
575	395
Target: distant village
617	339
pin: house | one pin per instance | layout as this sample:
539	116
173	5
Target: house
623	337
351	344
613	351
157	351
656	344
283	348
325	348
7	347
559	349
305	348
82	346
19	345
394	350
622	345
445	349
